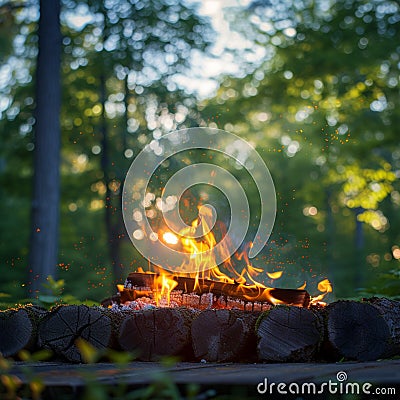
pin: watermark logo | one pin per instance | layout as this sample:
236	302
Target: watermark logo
338	387
341	376
138	198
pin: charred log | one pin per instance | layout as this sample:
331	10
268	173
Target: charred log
247	293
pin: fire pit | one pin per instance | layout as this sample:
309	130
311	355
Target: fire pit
224	330
213	312
353	330
213	315
238	322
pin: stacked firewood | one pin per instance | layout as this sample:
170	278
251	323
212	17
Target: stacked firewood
352	330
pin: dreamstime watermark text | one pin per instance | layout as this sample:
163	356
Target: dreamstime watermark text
339	386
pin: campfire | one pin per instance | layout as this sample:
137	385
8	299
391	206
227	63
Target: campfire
212	286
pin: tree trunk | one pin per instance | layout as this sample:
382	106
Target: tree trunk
331	238
359	246
46	181
113	216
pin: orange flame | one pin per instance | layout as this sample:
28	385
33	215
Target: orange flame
324	286
163	286
197	240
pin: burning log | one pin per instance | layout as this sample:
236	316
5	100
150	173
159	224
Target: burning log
363	331
18	329
60	328
154	333
224	335
246	293
289	334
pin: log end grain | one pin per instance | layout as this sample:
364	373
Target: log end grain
16	331
362	331
288	333
356	331
224	335
61	327
155	333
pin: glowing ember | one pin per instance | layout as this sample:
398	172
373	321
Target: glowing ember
274	275
170	238
303	286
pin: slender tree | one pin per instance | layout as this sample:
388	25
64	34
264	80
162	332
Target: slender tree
46	182
134	50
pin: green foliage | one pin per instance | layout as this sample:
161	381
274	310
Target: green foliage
56	295
11	387
323	108
162	385
320	104
118	67
365	188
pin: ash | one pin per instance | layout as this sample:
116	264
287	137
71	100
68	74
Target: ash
191	301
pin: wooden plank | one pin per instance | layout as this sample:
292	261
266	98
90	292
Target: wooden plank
138	373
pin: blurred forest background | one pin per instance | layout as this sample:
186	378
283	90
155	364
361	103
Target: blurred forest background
312	84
